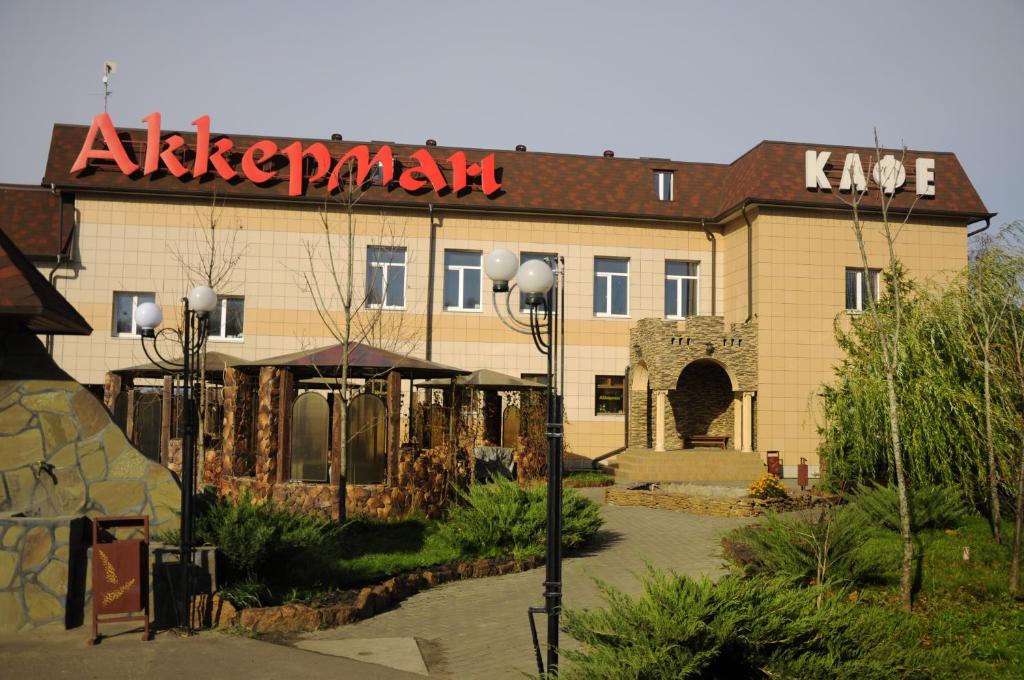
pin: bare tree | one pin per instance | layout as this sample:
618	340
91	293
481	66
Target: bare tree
211	260
888	331
347	316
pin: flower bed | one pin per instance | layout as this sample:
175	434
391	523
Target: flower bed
343	607
716	506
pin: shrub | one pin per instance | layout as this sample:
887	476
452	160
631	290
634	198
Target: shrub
684	628
832	545
768	486
260	542
931	507
501	518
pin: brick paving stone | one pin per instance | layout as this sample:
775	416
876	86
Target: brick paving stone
478	628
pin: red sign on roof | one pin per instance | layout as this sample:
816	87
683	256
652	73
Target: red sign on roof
264	161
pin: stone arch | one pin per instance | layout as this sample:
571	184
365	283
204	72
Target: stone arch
702	402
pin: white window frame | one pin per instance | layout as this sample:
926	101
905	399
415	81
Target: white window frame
222	302
135	305
386	266
875	274
678	280
660	177
523	307
608	286
461	268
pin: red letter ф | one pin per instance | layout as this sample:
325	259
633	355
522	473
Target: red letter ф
114	151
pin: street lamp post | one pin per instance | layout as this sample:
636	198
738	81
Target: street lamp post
541	282
197	305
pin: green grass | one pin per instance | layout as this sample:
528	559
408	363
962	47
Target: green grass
588	476
373	549
962	609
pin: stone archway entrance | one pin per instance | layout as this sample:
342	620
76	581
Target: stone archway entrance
701	405
641	428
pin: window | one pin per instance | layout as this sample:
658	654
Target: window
611	286
858	290
526	257
681	286
608	394
227	317
385	277
541	378
124	311
663	184
462	280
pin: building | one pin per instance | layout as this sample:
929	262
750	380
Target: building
715	287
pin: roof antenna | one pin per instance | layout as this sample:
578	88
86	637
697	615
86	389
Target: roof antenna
109	69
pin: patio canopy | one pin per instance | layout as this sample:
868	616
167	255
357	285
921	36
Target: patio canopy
364	362
486	379
216	362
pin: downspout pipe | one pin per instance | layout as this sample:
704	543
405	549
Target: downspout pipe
714	265
750	263
59	254
431	267
988	223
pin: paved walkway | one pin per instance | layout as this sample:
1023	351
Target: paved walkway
469	629
478	628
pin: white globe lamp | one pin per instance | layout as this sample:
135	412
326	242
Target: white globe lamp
500	267
148	316
535	279
202	299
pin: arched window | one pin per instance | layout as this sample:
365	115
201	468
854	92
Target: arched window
510	427
367	429
310	440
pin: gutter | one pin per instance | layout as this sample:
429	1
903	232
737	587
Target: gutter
988	223
431	273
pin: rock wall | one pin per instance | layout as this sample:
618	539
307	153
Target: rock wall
61	454
423	485
42	569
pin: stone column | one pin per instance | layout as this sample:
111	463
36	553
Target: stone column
284	423
737	421
659	419
748	421
267	430
394	436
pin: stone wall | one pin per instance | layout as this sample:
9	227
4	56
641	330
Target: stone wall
712	506
423	485
42	570
61	454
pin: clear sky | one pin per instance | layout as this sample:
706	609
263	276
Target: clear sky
694	81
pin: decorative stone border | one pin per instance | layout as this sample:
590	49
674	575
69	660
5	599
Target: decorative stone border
361	603
716	507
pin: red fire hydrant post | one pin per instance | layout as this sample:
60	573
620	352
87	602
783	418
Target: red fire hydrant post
801	474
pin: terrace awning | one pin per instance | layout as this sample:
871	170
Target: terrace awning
486	379
364	362
216	362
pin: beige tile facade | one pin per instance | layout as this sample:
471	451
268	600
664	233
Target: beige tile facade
799	258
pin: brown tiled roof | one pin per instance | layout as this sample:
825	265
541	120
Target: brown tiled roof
771	172
31	216
27	300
